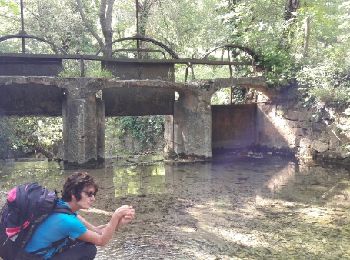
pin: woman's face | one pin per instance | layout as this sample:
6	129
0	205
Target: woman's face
87	197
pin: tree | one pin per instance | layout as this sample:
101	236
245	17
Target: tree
291	8
144	10
190	27
105	18
325	70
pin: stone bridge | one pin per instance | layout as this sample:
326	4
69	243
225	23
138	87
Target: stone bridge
81	102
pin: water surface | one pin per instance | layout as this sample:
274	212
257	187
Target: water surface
226	209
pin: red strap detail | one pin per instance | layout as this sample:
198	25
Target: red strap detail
10	232
11	195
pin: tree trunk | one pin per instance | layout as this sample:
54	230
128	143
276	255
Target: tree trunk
289	16
291	7
144	10
105	16
306	36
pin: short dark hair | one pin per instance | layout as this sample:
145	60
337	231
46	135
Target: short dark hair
75	184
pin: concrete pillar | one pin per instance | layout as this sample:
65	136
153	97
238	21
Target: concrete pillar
169	137
189	133
83	132
101	119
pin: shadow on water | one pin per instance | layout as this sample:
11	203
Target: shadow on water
226	209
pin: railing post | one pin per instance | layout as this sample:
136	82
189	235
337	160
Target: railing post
82	66
22	25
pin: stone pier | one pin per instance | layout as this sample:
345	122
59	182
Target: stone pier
188	133
83	132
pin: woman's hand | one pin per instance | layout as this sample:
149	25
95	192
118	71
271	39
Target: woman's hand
126	219
123	211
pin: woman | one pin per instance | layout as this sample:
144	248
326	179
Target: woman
66	235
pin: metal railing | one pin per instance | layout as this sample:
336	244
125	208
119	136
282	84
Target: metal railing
189	62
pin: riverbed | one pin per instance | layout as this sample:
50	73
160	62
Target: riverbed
225	209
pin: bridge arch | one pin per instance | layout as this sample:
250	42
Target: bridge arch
235	51
22	36
138	39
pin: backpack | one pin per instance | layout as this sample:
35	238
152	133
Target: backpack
26	207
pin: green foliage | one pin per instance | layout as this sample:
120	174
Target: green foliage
318	59
58	22
279	66
92	69
10	7
201	72
239	95
73	72
190	27
6	136
25	135
331	95
326	82
147	130
261	26
101	73
9	11
221	97
325	70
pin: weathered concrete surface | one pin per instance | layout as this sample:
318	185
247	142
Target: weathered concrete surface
81	86
144	70
272	130
26	100
30	66
83	126
83	133
192	125
139	101
100	127
31	98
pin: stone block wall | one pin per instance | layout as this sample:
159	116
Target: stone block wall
321	133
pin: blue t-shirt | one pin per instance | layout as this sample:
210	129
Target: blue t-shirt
57	226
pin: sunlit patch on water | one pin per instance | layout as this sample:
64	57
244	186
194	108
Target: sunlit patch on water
314	213
135	180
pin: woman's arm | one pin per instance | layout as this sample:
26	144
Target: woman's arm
90	226
107	232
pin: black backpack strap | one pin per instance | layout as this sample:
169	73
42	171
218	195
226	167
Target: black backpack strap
55	244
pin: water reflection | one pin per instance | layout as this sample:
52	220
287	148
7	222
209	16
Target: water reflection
227	209
134	180
310	184
13	173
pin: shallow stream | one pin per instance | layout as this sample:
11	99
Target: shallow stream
225	209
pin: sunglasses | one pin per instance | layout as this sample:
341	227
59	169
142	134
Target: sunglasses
90	193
